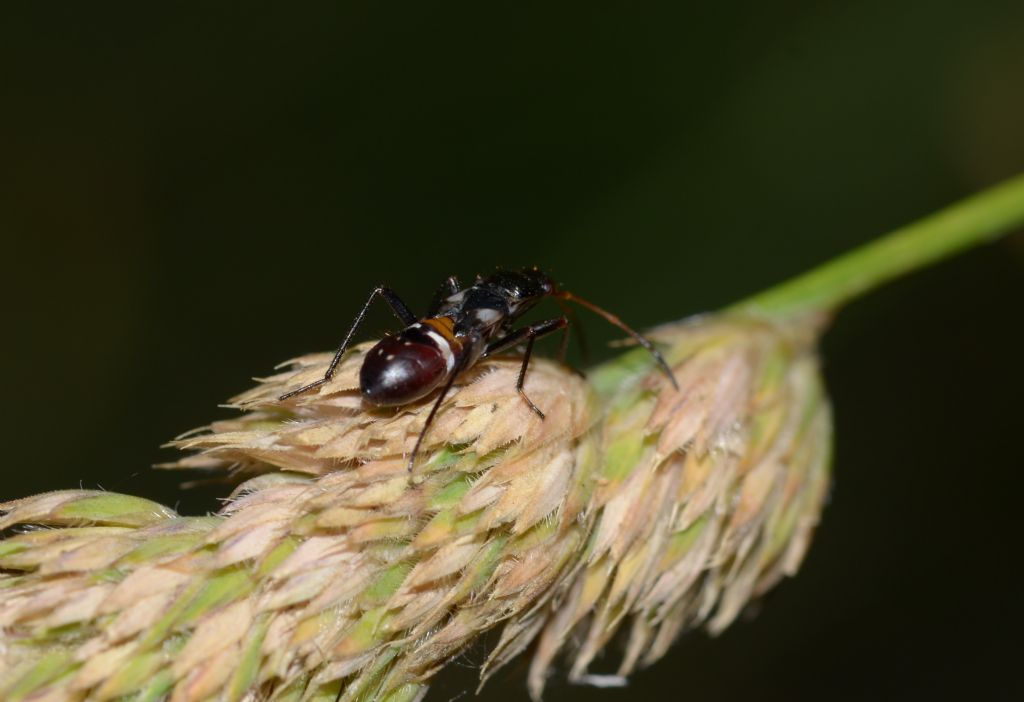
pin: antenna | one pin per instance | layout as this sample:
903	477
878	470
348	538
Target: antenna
614	319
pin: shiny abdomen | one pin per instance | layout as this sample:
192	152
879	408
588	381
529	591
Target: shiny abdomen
405	367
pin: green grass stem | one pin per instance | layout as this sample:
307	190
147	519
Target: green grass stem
978	219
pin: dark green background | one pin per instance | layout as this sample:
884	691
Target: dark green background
197	192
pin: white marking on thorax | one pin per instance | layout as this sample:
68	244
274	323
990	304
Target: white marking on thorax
486	315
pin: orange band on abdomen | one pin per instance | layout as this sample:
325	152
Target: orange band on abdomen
445	326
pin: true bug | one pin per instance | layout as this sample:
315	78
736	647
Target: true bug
462	326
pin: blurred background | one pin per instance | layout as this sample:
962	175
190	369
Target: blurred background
198	191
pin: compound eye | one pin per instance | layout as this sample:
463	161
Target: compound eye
398	371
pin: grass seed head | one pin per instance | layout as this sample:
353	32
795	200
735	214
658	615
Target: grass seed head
632	506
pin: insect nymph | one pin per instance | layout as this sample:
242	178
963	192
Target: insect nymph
462	326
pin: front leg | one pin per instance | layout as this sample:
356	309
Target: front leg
529	335
397	306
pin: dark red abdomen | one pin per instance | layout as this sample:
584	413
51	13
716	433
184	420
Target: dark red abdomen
403	368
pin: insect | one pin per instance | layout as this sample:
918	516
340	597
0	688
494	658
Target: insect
462	326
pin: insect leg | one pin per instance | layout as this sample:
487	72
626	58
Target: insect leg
433	411
397	306
448	288
563	344
581	337
529	334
